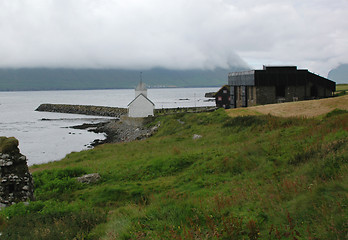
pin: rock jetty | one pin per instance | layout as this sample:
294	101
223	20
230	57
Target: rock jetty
114	111
16	183
83	109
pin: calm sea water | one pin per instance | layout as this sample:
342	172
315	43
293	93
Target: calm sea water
45	141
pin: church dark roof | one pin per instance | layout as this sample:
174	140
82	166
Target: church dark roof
138	97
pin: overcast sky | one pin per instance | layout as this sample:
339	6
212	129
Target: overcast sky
175	34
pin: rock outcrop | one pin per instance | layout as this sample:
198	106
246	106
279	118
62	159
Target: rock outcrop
119	131
196	136
16	183
89	178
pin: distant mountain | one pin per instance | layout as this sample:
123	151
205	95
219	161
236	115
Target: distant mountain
25	79
339	74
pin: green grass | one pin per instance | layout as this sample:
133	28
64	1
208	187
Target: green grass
8	145
252	177
341	89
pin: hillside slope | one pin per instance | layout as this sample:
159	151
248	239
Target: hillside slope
251	177
70	79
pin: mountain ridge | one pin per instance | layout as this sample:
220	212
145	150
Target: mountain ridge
34	79
339	74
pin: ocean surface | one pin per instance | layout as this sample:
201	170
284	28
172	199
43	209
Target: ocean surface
43	141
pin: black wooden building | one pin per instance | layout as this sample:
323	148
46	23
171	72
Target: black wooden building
275	84
223	97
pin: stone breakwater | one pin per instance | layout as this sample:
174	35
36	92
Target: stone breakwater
16	183
83	109
113	111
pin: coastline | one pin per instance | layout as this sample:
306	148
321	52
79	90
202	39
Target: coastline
117	131
121	128
45	135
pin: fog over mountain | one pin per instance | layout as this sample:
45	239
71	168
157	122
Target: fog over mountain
176	35
67	79
339	74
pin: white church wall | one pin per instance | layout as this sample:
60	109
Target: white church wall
140	107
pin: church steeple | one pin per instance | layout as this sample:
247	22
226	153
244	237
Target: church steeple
141	88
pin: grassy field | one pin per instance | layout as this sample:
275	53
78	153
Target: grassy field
341	87
247	177
311	108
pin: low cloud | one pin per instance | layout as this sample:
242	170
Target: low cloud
177	34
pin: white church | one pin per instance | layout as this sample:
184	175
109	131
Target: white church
141	106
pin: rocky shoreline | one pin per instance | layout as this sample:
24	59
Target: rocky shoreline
117	131
122	128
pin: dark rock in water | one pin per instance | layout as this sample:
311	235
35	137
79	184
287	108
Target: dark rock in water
89	125
210	95
96	142
16	182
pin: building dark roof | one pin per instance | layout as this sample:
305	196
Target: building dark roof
278	75
224	86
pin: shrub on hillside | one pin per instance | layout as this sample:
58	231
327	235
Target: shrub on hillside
8	145
72	225
53	183
244	121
